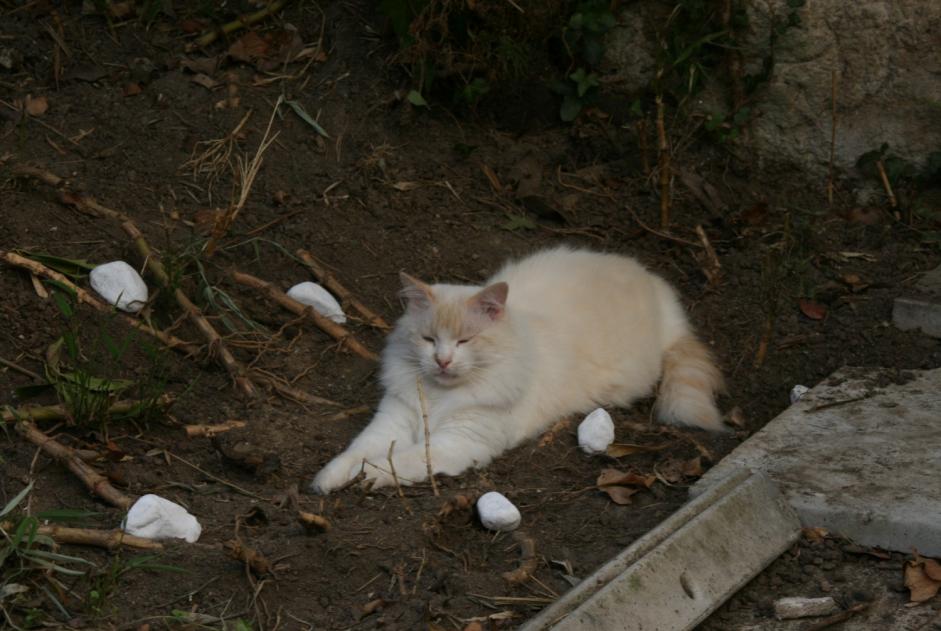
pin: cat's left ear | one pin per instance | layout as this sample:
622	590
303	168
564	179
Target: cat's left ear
491	300
417	293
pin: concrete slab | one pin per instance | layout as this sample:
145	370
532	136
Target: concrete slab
857	455
915	313
675	576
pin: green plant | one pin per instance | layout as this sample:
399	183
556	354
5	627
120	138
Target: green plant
583	38
105	582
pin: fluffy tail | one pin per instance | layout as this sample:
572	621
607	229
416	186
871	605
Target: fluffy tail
688	387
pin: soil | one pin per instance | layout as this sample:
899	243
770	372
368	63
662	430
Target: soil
803	289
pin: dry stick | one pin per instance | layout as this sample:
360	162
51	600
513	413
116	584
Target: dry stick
329	281
96	483
832	137
84	297
211	430
663	162
41	413
715	267
110	539
312	522
294	394
327	325
20	369
423	404
528	560
888	187
246	20
662	235
837	618
88	204
247	174
395	479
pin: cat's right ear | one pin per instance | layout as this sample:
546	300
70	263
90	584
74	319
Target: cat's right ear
417	293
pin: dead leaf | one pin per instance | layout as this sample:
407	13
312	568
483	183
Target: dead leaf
560	426
613	477
815	535
736	418
406	186
373	606
206	65
132	89
204	80
460	502
619	450
855	283
674	470
692	468
249	47
620	494
36	106
932	569
919	583
813	310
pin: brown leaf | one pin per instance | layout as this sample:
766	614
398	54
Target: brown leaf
692	468
204	65
921	586
613	477
813	310
204	80
249	47
620	494
132	89
405	186
815	535
36	106
932	569
855	283
619	450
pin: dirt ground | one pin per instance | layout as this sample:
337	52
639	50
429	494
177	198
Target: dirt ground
120	110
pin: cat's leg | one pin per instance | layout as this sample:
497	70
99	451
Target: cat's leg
454	448
393	422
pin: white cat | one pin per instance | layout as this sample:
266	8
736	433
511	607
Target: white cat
559	332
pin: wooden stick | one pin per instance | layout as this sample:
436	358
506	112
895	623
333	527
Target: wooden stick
247	20
20	369
211	430
89	205
110	539
327	325
888	187
84	297
423	404
714	270
664	166
395	479
96	483
330	281
294	394
41	413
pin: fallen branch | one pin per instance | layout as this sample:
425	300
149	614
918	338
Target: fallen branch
88	204
312	522
326	325
241	22
209	431
528	560
329	281
298	396
96	483
42	413
110	539
84	297
713	269
423	404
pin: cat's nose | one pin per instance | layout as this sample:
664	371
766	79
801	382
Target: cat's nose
443	362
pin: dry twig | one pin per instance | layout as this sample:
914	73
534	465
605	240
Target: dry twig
211	430
338	332
887	185
312	522
110	539
84	297
41	413
246	20
837	618
528	560
252	558
423	404
713	269
329	281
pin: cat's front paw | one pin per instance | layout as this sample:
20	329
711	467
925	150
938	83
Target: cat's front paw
337	473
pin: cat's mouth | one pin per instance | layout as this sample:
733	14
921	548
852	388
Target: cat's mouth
445	376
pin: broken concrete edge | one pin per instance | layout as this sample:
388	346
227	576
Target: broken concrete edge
678	525
913	313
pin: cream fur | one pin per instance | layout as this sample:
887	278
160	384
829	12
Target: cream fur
578	330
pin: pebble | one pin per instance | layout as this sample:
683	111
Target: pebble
120	285
154	517
596	432
323	302
497	512
797	392
798	607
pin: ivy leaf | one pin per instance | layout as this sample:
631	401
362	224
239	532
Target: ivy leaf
415	98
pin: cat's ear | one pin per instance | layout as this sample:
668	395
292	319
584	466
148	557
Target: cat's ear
491	300
417	293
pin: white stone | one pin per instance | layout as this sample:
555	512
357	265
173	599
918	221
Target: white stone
596	432
120	284
799	607
154	517
498	513
797	392
323	302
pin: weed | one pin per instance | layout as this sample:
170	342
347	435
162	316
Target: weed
105	583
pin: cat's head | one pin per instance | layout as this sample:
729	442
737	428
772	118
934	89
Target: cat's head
454	331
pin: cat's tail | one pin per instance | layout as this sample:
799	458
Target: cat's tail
689	385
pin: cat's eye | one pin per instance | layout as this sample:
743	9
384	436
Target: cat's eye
464	341
429	339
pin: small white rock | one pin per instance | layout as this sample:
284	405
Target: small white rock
799	607
120	285
312	294
797	392
596	432
498	513
154	517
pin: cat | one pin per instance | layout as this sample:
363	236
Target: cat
559	332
